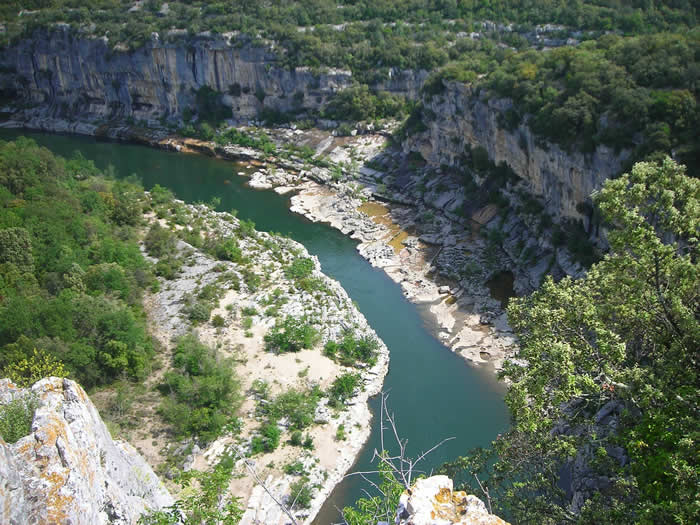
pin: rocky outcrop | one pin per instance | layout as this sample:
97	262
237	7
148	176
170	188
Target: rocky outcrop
68	469
63	74
461	117
83	78
432	501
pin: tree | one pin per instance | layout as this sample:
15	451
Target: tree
16	248
609	386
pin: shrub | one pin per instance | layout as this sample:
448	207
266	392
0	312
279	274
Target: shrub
296	405
199	311
218	321
267	441
308	443
16	418
296	438
249	310
228	250
203	390
343	388
351	350
291	335
296	468
301	493
159	241
27	371
168	267
301	268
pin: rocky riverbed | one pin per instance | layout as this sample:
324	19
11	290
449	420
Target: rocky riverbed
442	260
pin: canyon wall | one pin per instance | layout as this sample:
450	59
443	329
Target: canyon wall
68	469
459	117
70	76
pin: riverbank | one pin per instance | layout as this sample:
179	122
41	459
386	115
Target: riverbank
244	311
420	245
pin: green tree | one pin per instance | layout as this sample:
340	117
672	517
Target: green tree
16	248
610	380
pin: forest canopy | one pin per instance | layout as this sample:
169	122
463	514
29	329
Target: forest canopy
71	272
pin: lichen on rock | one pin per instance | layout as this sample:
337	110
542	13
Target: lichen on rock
69	469
432	501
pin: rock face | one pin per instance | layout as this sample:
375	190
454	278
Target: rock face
461	117
61	74
433	502
68	469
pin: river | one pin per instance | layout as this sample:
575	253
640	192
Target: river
433	393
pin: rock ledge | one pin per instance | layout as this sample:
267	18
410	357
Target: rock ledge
68	469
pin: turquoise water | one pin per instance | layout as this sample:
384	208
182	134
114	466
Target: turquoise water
433	393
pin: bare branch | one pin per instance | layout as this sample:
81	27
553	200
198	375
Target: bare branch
260	482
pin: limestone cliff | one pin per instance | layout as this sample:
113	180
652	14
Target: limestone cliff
460	116
432	501
68	469
62	74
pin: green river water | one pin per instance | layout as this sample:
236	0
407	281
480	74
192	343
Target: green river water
433	393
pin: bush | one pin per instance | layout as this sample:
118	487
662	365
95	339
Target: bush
301	268
295	469
199	311
267	441
296	405
351	350
202	391
16	418
343	388
301	493
159	241
291	335
228	250
308	443
27	371
296	438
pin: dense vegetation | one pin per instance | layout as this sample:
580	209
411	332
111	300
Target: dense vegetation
637	93
71	273
611	380
358	35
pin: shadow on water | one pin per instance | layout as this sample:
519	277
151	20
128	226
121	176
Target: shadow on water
433	393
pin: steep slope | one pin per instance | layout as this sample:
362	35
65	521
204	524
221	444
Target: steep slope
69	470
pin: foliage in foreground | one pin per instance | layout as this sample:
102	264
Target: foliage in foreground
71	273
622	340
16	418
373	509
205	499
27	371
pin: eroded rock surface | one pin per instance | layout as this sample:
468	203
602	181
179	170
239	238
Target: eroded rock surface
433	501
68	469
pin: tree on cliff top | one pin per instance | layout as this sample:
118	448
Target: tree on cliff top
609	392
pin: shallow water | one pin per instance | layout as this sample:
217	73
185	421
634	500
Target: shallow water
433	393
